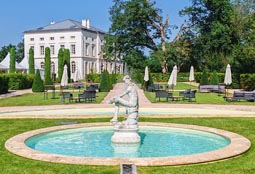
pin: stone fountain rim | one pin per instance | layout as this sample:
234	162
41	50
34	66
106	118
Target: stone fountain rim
238	146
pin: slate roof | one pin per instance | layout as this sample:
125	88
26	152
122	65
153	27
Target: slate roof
66	25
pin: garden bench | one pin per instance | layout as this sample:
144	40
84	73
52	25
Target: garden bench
87	96
242	95
212	88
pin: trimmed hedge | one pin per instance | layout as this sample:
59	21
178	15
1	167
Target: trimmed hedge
20	81
96	78
4	84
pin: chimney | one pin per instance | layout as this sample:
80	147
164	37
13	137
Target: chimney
84	22
88	23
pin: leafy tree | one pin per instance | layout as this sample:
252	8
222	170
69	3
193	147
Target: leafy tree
60	63
136	24
31	61
38	83
20	51
66	59
211	22
12	60
47	73
135	59
244	26
4	51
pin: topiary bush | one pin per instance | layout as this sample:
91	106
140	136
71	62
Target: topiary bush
214	79
204	78
105	83
38	83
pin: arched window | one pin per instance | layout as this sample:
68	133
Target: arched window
73	66
52	68
42	65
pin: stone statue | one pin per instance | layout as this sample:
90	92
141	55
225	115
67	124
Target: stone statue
132	105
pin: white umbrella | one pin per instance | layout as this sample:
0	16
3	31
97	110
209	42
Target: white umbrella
76	76
228	76
191	75
64	79
146	74
173	77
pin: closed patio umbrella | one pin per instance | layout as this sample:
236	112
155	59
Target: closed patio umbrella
146	77
191	75
173	77
64	79
228	76
76	76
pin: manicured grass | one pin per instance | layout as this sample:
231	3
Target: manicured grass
13	164
39	99
201	98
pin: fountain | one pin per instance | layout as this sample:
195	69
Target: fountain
126	132
155	144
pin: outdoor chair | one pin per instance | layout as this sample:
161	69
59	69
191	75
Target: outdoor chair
188	94
67	95
163	94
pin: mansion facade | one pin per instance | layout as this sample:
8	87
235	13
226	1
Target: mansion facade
83	41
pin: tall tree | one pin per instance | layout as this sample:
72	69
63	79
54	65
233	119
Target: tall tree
47	67
31	61
12	60
4	51
60	63
20	51
137	24
211	22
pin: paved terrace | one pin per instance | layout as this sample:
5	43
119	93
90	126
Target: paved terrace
147	109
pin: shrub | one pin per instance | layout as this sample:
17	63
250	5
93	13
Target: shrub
105	84
38	83
96	78
214	80
19	81
247	81
204	78
4	84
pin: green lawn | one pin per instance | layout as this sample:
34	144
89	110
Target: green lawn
40	99
13	164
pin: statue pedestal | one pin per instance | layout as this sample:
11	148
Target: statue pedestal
126	135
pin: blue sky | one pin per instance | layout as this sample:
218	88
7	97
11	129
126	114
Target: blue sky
17	16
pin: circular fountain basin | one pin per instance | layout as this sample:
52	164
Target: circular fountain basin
161	144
